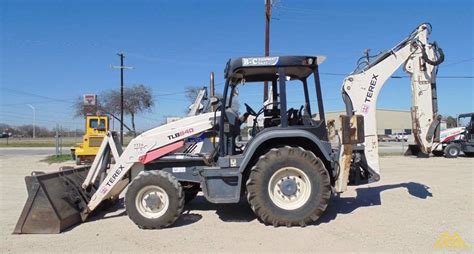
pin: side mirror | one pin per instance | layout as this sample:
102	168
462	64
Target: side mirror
214	100
352	129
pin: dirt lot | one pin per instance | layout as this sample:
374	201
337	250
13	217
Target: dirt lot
416	200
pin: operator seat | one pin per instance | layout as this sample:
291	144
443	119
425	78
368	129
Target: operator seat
231	128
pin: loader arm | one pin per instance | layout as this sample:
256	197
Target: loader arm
148	146
360	91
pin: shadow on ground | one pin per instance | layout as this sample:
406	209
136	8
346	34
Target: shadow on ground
241	212
369	196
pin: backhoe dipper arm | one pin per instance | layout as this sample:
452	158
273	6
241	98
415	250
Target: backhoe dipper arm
360	91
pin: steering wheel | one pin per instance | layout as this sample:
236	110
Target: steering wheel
250	110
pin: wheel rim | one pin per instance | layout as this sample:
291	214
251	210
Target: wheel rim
453	151
152	202
289	188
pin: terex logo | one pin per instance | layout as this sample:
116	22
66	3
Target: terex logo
115	175
181	133
370	92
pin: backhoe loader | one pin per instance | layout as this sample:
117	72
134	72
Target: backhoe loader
287	171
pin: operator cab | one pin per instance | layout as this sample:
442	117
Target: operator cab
275	111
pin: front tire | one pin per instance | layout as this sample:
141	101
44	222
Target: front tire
154	200
452	151
288	187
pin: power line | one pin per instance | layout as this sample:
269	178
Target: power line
458	62
34	95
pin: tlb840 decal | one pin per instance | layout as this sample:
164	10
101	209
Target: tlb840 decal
181	133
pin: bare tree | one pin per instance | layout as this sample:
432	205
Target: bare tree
81	110
451	122
137	99
191	93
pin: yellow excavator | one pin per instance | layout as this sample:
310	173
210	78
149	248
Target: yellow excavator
96	129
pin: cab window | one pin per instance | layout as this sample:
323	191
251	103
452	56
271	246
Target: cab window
94	123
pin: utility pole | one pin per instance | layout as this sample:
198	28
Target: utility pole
121	67
212	90
34	119
268	15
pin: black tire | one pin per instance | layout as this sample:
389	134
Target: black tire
271	163
452	151
155	179
437	153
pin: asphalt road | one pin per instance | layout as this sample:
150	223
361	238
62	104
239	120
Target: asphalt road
385	147
24	151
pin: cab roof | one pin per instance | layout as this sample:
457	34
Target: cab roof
258	69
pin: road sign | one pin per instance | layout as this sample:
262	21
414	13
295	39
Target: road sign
90	99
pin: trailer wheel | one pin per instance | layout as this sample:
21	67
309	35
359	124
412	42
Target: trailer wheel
288	186
452	151
154	199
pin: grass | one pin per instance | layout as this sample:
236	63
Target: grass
57	158
37	142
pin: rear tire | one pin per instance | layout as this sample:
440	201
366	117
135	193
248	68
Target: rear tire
154	199
288	186
452	151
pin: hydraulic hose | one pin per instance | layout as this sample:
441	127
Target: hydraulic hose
431	62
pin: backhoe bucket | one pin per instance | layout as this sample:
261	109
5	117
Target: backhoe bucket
416	151
55	201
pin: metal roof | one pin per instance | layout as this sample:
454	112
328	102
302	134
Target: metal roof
255	69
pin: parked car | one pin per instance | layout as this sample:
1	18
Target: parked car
385	138
399	137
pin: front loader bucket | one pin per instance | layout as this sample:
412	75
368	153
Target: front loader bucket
55	201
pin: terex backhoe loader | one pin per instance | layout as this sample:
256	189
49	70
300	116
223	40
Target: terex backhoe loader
288	169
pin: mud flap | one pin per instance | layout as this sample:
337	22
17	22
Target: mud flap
55	201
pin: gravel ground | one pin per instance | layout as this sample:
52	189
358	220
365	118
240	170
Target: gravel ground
416	200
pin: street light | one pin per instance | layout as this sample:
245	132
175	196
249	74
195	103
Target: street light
34	119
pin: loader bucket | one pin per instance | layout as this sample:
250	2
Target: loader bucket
55	201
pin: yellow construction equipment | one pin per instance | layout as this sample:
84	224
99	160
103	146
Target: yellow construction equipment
95	131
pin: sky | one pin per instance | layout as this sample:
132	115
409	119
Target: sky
52	51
